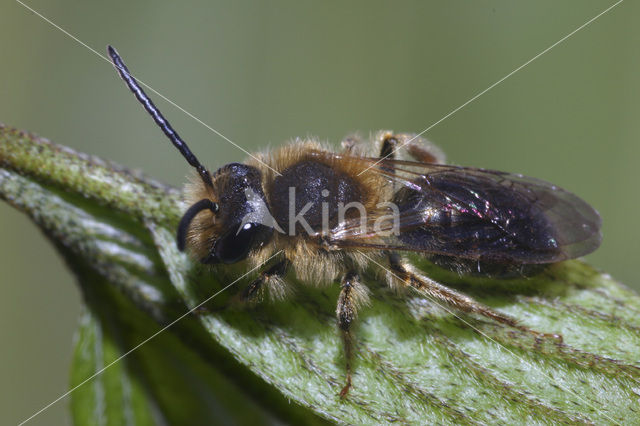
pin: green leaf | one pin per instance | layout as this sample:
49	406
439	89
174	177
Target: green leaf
162	381
112	398
415	362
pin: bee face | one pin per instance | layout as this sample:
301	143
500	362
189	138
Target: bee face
228	232
223	223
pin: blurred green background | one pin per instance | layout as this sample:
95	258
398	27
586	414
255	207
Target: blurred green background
263	73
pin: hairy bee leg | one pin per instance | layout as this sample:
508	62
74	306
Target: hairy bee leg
276	272
440	292
421	154
418	148
458	300
351	296
388	148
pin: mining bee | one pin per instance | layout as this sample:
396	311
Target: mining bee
334	214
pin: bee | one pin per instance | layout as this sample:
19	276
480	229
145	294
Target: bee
332	215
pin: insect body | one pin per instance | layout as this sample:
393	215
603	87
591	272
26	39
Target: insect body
332	214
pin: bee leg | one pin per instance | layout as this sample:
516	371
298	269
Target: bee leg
425	152
272	277
429	287
418	148
388	147
458	300
352	294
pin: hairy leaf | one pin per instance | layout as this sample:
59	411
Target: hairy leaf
415	361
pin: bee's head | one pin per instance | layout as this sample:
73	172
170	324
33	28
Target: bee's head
229	219
226	217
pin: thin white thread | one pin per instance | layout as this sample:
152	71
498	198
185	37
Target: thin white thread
493	85
434	300
97	373
149	87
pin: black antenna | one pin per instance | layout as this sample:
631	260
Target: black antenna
157	116
186	220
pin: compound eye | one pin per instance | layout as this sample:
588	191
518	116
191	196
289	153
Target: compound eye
236	244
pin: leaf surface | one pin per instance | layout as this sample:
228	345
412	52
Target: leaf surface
415	361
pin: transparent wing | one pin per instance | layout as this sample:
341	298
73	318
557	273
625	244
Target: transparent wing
472	213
